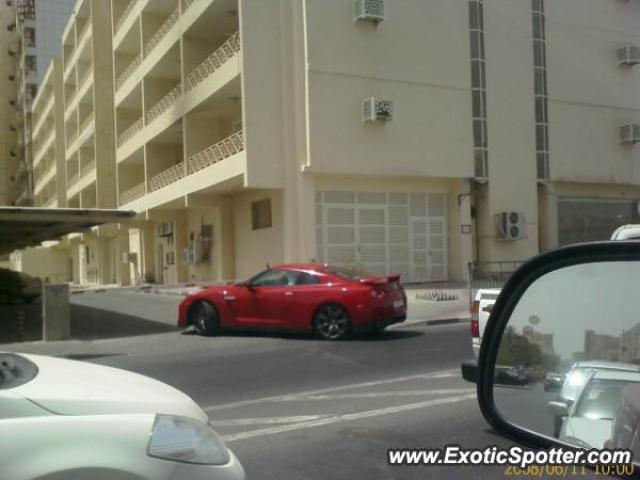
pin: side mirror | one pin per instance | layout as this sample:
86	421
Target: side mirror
558	408
572	312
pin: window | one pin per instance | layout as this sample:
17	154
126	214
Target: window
306	278
274	278
261	214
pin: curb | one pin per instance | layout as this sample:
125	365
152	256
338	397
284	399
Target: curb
429	323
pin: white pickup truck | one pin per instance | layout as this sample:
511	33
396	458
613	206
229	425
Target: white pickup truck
480	311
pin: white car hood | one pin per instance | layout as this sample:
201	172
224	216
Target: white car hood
68	387
593	432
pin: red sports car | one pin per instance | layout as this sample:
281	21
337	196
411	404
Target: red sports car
333	302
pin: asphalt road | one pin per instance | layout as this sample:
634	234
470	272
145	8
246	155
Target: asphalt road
295	407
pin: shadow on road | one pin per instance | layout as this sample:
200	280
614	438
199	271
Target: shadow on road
364	338
93	323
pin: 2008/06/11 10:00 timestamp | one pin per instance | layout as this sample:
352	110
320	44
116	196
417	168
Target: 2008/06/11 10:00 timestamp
566	471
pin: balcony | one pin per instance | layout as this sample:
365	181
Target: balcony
125	14
73	179
165	103
88	169
132	194
85	123
167	177
216	153
85	77
213	62
186	4
126	73
129	132
72	138
162	32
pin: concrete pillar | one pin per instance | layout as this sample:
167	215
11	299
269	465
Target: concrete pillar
181	241
148	254
56	312
124	273
224	245
460	229
547	217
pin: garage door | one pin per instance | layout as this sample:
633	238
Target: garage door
384	232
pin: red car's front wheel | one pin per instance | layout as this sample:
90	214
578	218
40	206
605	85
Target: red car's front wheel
332	322
204	318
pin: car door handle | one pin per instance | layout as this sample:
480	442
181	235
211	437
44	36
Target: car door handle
288	294
229	298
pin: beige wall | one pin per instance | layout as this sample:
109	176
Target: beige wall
590	96
402	59
255	248
47	263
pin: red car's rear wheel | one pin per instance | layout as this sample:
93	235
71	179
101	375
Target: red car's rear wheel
332	322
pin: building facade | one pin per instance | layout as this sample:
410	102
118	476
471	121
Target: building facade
8	104
406	137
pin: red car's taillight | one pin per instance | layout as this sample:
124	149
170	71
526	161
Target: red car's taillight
475	329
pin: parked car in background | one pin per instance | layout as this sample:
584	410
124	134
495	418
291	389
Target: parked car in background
589	419
577	378
480	311
626	232
330	301
18	286
553	381
505	375
75	420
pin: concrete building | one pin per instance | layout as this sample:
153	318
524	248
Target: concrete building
39	30
8	104
405	137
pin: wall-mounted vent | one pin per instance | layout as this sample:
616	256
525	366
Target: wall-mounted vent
369	10
374	109
629	55
630	133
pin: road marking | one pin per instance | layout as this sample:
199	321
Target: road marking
349	417
405	393
264	420
277	398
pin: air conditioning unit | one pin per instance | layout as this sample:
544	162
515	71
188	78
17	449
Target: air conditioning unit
368	10
510	225
629	55
630	133
374	109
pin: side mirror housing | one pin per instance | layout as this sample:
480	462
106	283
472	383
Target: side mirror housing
561	409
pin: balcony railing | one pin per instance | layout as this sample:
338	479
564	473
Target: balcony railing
85	76
213	62
125	14
72	138
162	31
85	123
129	132
73	179
84	31
166	177
132	194
164	103
186	4
87	169
126	73
215	153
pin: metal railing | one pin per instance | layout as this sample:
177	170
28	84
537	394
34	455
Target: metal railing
126	73
215	153
84	31
125	14
132	194
167	177
85	76
186	4
213	62
85	123
490	274
171	20
72	138
73	179
129	132
88	169
164	103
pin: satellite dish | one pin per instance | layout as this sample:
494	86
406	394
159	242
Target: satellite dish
534	320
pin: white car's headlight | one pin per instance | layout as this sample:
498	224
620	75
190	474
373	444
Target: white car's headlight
184	439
